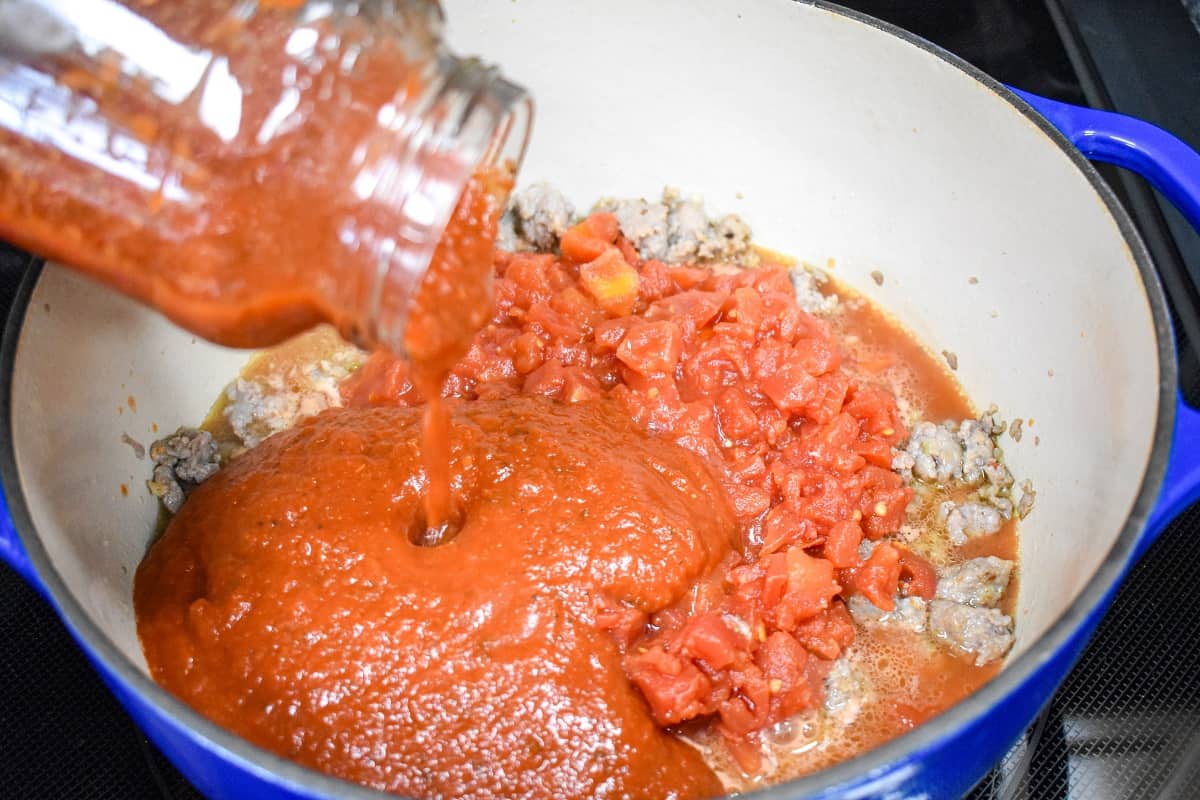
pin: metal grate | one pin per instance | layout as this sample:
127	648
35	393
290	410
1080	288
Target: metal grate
1126	723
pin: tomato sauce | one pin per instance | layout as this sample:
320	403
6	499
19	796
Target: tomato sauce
453	301
761	432
285	602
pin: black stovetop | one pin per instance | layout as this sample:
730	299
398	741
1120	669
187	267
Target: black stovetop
1125	724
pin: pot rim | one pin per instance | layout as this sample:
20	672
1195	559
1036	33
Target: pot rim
871	765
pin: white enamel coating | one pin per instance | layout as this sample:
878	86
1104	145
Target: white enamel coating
836	141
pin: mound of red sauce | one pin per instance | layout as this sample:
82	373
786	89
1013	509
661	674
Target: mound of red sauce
286	602
726	364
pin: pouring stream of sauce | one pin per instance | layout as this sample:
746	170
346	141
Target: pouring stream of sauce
452	303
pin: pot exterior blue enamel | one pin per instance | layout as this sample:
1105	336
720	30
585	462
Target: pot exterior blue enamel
936	761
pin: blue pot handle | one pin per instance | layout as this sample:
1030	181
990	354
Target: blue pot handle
11	550
1172	167
1181	485
1161	158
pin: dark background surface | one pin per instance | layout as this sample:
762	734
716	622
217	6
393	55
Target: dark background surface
1126	722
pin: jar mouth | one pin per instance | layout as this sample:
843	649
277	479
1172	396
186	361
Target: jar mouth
469	117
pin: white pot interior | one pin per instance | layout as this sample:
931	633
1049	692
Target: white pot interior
833	139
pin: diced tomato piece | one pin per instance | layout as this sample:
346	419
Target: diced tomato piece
748	501
611	281
782	527
825	401
876	408
528	352
624	623
628	250
652	347
875	450
746	751
544	317
883	510
685	277
841	543
603	225
736	415
878	578
587	240
790	388
692	309
825	502
749	707
918	575
570	384
708	638
529	277
745	307
655	280
827	634
382	380
675	688
830	445
714	364
810	588
817	356
782	660
750	468
578	385
608	334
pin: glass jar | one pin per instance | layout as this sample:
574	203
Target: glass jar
248	168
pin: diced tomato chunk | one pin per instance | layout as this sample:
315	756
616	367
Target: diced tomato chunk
528	352
736	415
624	623
611	281
876	408
919	577
816	356
692	309
827	634
746	751
686	277
783	527
675	688
587	240
652	347
824	403
708	638
791	388
782	659
878	578
883	510
841	543
810	588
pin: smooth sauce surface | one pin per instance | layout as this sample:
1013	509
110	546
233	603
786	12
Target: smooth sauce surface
286	603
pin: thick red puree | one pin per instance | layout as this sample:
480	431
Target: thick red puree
658	481
286	603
